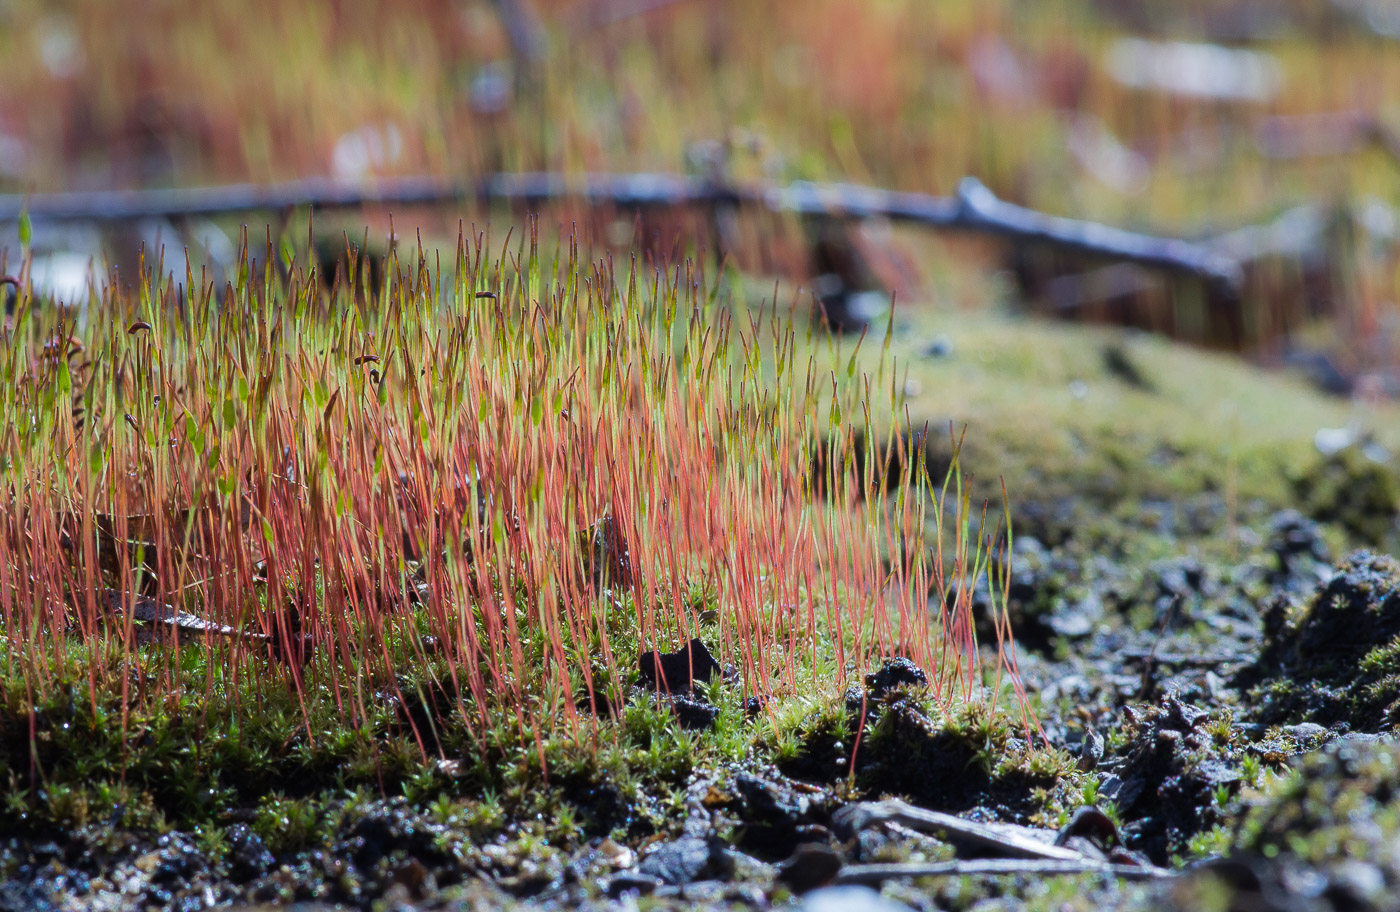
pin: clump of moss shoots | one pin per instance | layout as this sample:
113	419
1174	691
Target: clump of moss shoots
271	543
1336	658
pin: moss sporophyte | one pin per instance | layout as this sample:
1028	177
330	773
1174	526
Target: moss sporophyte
289	532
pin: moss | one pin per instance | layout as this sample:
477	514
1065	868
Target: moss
1353	491
1011	383
1335	659
1312	812
904	744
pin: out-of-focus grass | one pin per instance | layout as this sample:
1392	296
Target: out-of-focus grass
899	93
902	93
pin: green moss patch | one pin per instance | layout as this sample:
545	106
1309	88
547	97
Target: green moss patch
900	742
1335	659
1355	492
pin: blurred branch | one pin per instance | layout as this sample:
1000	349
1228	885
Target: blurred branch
1335	133
974	209
876	874
522	28
1379	17
1387	138
611	12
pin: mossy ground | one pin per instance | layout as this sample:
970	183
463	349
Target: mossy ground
1336	658
1045	408
1156	509
1162	599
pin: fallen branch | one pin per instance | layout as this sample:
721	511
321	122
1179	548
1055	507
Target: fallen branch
876	874
977	209
523	29
1003	839
157	620
599	15
228	199
974	209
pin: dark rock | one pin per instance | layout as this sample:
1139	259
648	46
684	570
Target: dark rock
1215	773
677	672
1321	843
811	866
746	869
1345	781
248	858
46	851
940	347
337	258
686	860
1297	544
905	752
1335	659
1322	371
1180	585
602	699
1046	598
1307	733
1051	523
871	845
1090	750
179	862
702	894
601	805
746	895
19	897
1092	824
1181	716
605	555
420	707
1357	608
1120	364
1240	875
843	310
631	882
693	714
894	674
776	817
844	285
1167	780
390	829
415	878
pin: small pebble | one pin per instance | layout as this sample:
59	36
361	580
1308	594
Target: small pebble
940	347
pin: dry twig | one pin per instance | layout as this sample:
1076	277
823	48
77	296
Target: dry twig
875	874
1003	839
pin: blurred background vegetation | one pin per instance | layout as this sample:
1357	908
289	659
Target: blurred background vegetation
1070	105
1267	131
